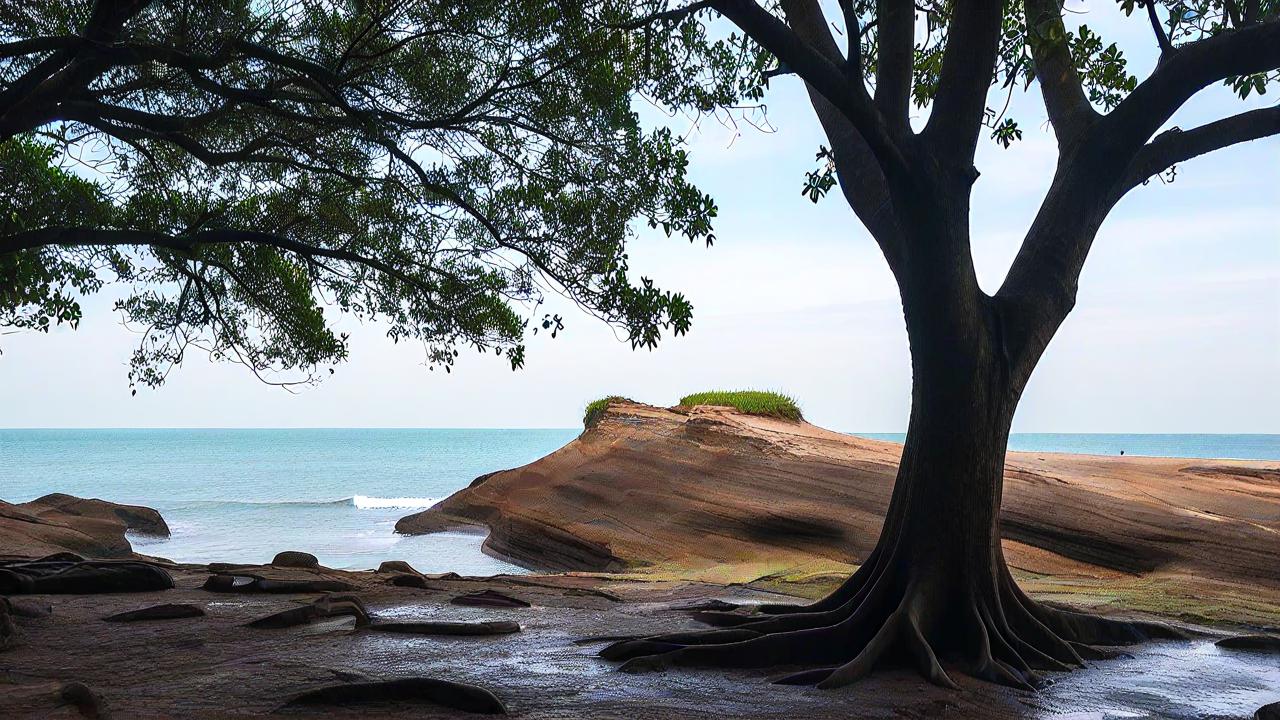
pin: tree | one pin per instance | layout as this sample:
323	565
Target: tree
936	587
245	165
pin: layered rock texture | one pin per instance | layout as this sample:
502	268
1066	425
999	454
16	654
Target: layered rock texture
705	486
88	527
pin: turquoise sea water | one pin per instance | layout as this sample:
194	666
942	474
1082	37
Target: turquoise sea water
243	495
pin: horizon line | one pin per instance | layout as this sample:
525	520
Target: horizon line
565	428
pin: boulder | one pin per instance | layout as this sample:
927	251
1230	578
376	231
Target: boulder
136	518
295	559
1270	711
397	566
78	527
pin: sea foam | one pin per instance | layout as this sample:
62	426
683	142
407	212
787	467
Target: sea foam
364	502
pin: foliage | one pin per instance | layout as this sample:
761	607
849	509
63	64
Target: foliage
246	168
595	409
751	402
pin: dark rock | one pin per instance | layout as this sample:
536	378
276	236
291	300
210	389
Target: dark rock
325	607
489	598
255	584
458	696
398	566
1268	643
30	608
494	627
716	605
295	559
81	578
62	557
1268	712
84	699
157	612
411	581
8	631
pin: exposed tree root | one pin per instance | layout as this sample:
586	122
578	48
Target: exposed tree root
884	615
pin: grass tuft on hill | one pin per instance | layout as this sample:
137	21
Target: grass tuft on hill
751	402
596	408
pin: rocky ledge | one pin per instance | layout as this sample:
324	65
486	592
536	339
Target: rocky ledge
653	487
64	523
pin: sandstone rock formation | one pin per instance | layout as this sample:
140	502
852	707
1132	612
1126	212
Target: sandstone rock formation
648	486
88	527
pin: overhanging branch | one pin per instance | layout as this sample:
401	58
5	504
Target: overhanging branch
1175	146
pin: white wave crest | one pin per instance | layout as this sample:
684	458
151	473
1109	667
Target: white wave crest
364	502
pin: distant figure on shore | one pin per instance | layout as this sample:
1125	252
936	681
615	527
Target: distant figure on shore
1121	452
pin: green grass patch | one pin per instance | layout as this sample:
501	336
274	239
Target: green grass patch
751	402
596	408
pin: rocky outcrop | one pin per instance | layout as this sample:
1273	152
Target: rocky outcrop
88	527
647	486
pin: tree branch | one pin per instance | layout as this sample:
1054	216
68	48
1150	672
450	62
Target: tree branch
968	66
1069	110
825	77
896	40
84	236
1195	66
1162	39
1175	146
673	15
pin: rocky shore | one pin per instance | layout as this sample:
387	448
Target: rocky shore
89	527
675	509
649	488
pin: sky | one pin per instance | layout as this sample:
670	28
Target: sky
1176	329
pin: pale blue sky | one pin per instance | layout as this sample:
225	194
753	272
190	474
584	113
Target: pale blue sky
1177	328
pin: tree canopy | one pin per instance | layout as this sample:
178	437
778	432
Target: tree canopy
241	167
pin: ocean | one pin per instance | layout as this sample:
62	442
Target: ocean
244	495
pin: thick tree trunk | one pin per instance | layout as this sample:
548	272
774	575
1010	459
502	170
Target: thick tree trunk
936	589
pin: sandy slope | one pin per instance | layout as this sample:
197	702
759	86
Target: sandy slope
651	487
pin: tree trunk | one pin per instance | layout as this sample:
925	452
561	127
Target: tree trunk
936	588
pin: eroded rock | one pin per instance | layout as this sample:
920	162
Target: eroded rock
82	698
257	584
81	578
489	598
458	696
325	607
170	611
1267	643
295	559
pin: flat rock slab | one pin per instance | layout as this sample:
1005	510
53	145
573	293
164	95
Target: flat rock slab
1268	643
430	691
489	598
255	584
494	627
81	578
170	611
